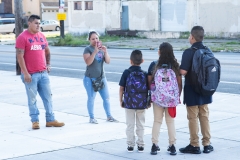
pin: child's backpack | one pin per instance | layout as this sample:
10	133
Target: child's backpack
165	92
136	90
205	72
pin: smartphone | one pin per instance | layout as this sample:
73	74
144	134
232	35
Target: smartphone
99	44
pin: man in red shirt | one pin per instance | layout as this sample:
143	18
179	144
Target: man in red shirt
33	56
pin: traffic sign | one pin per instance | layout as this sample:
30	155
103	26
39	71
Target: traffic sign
61	16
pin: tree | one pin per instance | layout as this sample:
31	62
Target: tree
18	9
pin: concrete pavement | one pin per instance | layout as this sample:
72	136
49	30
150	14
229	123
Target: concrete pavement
79	139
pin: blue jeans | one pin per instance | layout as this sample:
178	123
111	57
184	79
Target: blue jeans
41	84
92	94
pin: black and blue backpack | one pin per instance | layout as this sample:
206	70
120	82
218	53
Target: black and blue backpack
205	72
136	90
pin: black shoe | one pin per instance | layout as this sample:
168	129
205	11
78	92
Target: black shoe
130	149
172	150
207	149
155	149
140	149
190	149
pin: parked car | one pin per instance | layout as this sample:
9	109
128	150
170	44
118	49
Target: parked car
7	25
52	25
7	15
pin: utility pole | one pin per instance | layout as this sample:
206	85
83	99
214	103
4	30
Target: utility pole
18	26
61	17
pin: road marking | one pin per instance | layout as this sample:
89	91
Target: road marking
83	70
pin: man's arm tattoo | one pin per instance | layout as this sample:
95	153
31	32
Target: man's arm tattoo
47	53
19	51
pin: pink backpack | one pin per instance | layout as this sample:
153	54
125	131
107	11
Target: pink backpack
164	90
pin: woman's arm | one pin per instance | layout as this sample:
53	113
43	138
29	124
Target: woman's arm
89	58
106	55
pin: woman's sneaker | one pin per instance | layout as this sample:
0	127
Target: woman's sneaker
92	120
155	149
111	119
130	149
140	148
172	150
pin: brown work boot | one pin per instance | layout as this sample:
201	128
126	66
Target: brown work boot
54	124
35	125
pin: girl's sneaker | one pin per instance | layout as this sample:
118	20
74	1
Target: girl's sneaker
172	150
155	149
92	120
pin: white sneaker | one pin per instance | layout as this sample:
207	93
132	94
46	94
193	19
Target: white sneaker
92	120
111	119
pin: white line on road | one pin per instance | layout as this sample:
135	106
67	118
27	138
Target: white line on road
83	70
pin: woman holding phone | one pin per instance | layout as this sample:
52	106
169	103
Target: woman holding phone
94	56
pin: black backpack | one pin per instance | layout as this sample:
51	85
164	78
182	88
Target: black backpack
205	72
136	90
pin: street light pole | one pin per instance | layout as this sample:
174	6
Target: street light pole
61	10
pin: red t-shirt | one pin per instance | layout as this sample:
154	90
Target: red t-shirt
34	50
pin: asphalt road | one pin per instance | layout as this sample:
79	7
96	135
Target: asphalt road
68	62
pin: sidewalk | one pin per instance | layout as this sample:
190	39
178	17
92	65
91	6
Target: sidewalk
80	140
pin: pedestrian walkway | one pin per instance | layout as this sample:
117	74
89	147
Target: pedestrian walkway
80	140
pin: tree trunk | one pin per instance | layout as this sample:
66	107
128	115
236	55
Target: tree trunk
18	9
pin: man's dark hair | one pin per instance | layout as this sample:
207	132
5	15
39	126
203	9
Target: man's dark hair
198	33
136	57
33	17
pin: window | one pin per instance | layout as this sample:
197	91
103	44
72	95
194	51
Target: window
78	5
88	5
7	21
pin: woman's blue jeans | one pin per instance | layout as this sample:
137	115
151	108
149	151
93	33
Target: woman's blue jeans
92	94
40	84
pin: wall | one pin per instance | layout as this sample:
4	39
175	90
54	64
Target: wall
143	15
221	16
29	7
105	15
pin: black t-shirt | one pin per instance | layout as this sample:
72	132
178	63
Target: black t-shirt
190	97
126	74
152	67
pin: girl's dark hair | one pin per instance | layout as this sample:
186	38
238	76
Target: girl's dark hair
90	34
167	57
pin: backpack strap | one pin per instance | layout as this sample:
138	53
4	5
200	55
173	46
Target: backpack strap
195	48
139	70
167	66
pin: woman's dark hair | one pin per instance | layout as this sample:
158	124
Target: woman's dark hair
167	57
90	34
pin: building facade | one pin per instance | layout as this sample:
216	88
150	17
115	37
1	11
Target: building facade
216	16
